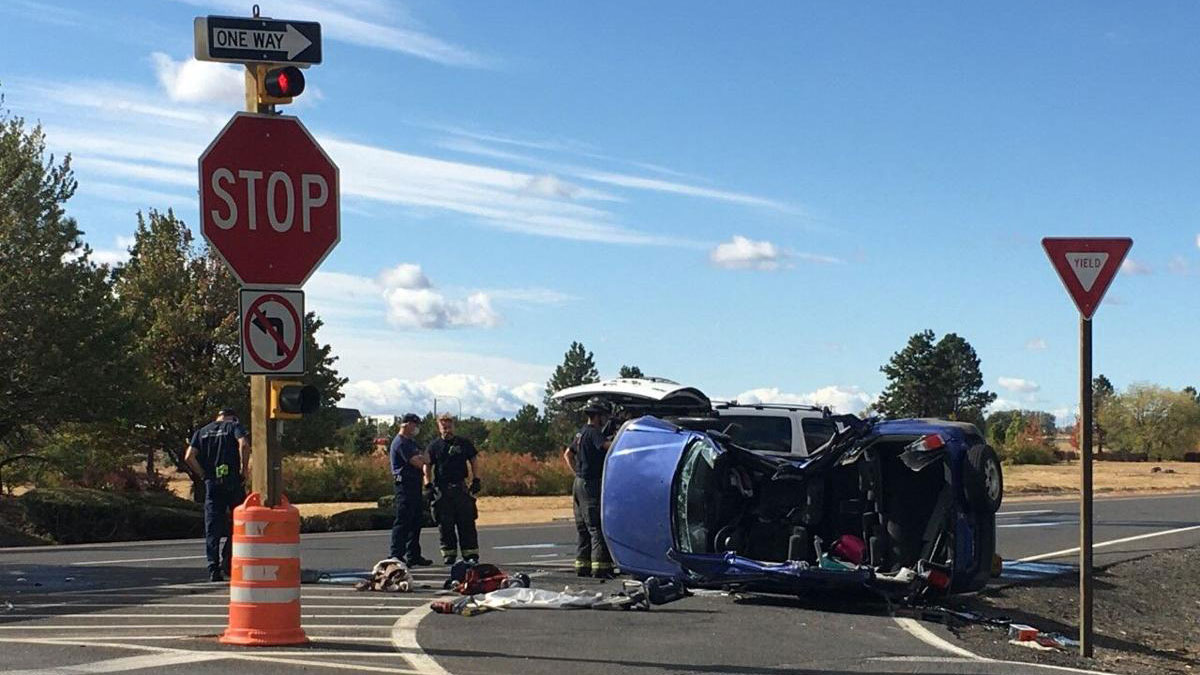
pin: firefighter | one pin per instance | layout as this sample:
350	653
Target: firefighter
408	464
452	478
220	453
585	456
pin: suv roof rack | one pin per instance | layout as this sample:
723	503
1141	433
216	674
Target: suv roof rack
768	406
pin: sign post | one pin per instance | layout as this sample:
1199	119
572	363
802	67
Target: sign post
269	206
1086	267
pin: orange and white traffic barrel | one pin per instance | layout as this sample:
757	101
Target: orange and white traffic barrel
264	583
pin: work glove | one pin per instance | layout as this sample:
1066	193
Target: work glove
475	486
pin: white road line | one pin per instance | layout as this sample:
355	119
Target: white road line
1111	542
153	615
127	663
166	651
1023	513
914	628
17	607
404	639
516	546
135	560
955	659
1053	524
321	664
194	626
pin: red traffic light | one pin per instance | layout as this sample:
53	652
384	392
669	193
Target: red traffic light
284	82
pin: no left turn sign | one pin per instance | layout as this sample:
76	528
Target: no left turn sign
272	331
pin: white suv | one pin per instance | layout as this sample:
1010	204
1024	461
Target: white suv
776	428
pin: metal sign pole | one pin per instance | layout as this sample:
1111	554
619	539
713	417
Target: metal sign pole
265	460
1085	495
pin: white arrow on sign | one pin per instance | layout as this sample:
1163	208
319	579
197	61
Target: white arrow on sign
289	40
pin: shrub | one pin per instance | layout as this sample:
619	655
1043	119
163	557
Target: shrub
336	478
82	515
1020	452
521	474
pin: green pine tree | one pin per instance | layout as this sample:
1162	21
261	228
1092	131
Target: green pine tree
928	379
578	367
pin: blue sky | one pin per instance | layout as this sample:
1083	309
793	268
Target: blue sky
763	203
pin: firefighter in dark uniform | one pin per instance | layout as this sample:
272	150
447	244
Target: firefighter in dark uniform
219	452
585	456
452	479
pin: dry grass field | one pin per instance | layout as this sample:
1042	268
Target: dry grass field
1109	477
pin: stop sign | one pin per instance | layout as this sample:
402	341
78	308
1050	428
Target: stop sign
269	199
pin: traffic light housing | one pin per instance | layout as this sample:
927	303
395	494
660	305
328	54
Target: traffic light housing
292	399
278	84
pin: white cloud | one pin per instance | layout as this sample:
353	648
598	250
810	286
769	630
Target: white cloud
532	296
192	81
1018	385
548	185
1003	404
1036	345
743	253
477	396
404	275
412	302
1131	266
1198	241
839	398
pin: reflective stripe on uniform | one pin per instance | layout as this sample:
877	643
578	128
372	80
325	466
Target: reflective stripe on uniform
263	595
244	550
469	551
581	564
602	566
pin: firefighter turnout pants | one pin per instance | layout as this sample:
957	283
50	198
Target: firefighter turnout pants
591	557
455	513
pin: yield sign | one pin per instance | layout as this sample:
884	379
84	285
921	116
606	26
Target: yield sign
1087	266
272	331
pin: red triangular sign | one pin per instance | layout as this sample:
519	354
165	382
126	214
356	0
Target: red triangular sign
1087	266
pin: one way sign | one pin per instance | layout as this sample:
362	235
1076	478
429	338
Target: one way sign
241	40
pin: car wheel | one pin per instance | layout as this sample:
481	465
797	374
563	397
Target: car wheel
983	478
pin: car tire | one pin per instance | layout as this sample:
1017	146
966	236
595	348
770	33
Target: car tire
983	478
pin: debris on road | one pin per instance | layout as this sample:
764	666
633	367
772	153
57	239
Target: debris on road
389	575
471	578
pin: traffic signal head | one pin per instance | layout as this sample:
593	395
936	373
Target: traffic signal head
277	85
292	399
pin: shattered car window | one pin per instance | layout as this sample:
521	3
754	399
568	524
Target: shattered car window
693	495
767	434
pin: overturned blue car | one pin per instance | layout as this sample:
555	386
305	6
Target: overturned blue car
902	506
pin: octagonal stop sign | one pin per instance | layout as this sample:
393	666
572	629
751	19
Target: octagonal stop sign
269	200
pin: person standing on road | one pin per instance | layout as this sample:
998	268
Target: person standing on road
585	456
452	478
219	452
408	463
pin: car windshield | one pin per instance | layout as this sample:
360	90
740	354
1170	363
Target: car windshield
693	497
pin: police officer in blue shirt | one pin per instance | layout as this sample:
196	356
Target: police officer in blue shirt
408	462
220	453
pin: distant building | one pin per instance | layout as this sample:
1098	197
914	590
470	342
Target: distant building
348	416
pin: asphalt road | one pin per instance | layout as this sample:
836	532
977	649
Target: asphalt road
125	607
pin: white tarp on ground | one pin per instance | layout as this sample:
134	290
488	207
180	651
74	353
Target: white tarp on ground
538	598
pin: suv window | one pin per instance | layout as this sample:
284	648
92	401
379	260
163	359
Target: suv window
769	434
817	432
